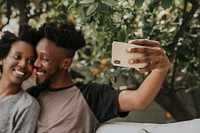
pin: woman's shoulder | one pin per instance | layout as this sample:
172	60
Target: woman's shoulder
26	100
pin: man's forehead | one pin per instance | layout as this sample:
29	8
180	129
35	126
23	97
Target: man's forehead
45	43
47	47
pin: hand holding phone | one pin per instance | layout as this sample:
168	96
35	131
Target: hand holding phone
120	56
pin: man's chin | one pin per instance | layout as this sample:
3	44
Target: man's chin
44	83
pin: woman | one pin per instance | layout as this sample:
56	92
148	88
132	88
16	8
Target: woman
18	110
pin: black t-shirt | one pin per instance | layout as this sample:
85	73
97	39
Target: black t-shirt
102	100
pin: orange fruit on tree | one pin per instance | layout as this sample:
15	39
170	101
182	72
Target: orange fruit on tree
104	64
95	71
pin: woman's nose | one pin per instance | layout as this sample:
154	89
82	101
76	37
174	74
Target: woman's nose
22	63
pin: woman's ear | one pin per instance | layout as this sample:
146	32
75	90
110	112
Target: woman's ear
66	63
1	62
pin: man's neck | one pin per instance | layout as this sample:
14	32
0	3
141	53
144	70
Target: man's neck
63	81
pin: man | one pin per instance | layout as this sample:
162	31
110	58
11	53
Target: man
69	107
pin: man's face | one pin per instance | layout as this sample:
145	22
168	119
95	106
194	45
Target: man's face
48	62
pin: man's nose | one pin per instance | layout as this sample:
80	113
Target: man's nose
37	62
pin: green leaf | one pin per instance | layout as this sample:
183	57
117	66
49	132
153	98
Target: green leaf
92	8
110	2
86	1
166	3
81	13
154	5
139	3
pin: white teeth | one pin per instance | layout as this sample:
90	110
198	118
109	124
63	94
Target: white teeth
40	73
19	72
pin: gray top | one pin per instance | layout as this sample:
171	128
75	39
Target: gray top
18	113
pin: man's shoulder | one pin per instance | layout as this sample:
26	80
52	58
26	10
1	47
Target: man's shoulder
35	91
94	88
81	85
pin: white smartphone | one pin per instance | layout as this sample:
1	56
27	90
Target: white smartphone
120	56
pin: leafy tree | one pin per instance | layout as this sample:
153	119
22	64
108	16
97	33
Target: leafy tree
174	23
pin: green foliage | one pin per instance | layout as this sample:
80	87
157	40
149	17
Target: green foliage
139	3
166	3
104	21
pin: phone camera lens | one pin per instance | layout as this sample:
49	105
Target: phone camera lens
117	61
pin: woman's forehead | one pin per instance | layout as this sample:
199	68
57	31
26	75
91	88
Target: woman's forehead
22	47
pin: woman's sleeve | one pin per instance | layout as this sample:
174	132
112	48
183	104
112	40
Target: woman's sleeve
27	119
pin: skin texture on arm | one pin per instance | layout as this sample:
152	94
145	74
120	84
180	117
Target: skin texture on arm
158	64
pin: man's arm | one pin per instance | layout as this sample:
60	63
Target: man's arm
158	64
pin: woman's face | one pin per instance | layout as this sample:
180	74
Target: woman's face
18	64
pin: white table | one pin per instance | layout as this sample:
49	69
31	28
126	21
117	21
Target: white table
191	126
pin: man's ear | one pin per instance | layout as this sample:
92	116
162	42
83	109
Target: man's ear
66	63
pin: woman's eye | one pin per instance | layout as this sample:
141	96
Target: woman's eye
17	57
30	62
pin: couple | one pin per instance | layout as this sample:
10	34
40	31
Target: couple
67	106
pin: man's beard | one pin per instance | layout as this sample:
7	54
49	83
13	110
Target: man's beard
48	80
44	84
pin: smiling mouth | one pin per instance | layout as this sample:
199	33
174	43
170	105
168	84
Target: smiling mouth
39	73
41	77
19	72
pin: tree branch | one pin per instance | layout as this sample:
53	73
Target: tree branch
8	13
179	33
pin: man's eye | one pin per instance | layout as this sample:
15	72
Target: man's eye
45	58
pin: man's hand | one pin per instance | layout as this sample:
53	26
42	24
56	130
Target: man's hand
155	56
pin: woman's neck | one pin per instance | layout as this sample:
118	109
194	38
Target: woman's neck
7	89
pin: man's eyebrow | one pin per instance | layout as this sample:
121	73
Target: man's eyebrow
43	54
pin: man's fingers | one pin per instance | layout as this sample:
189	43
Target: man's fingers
146	50
145	42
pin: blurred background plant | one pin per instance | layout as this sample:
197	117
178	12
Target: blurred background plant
174	23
